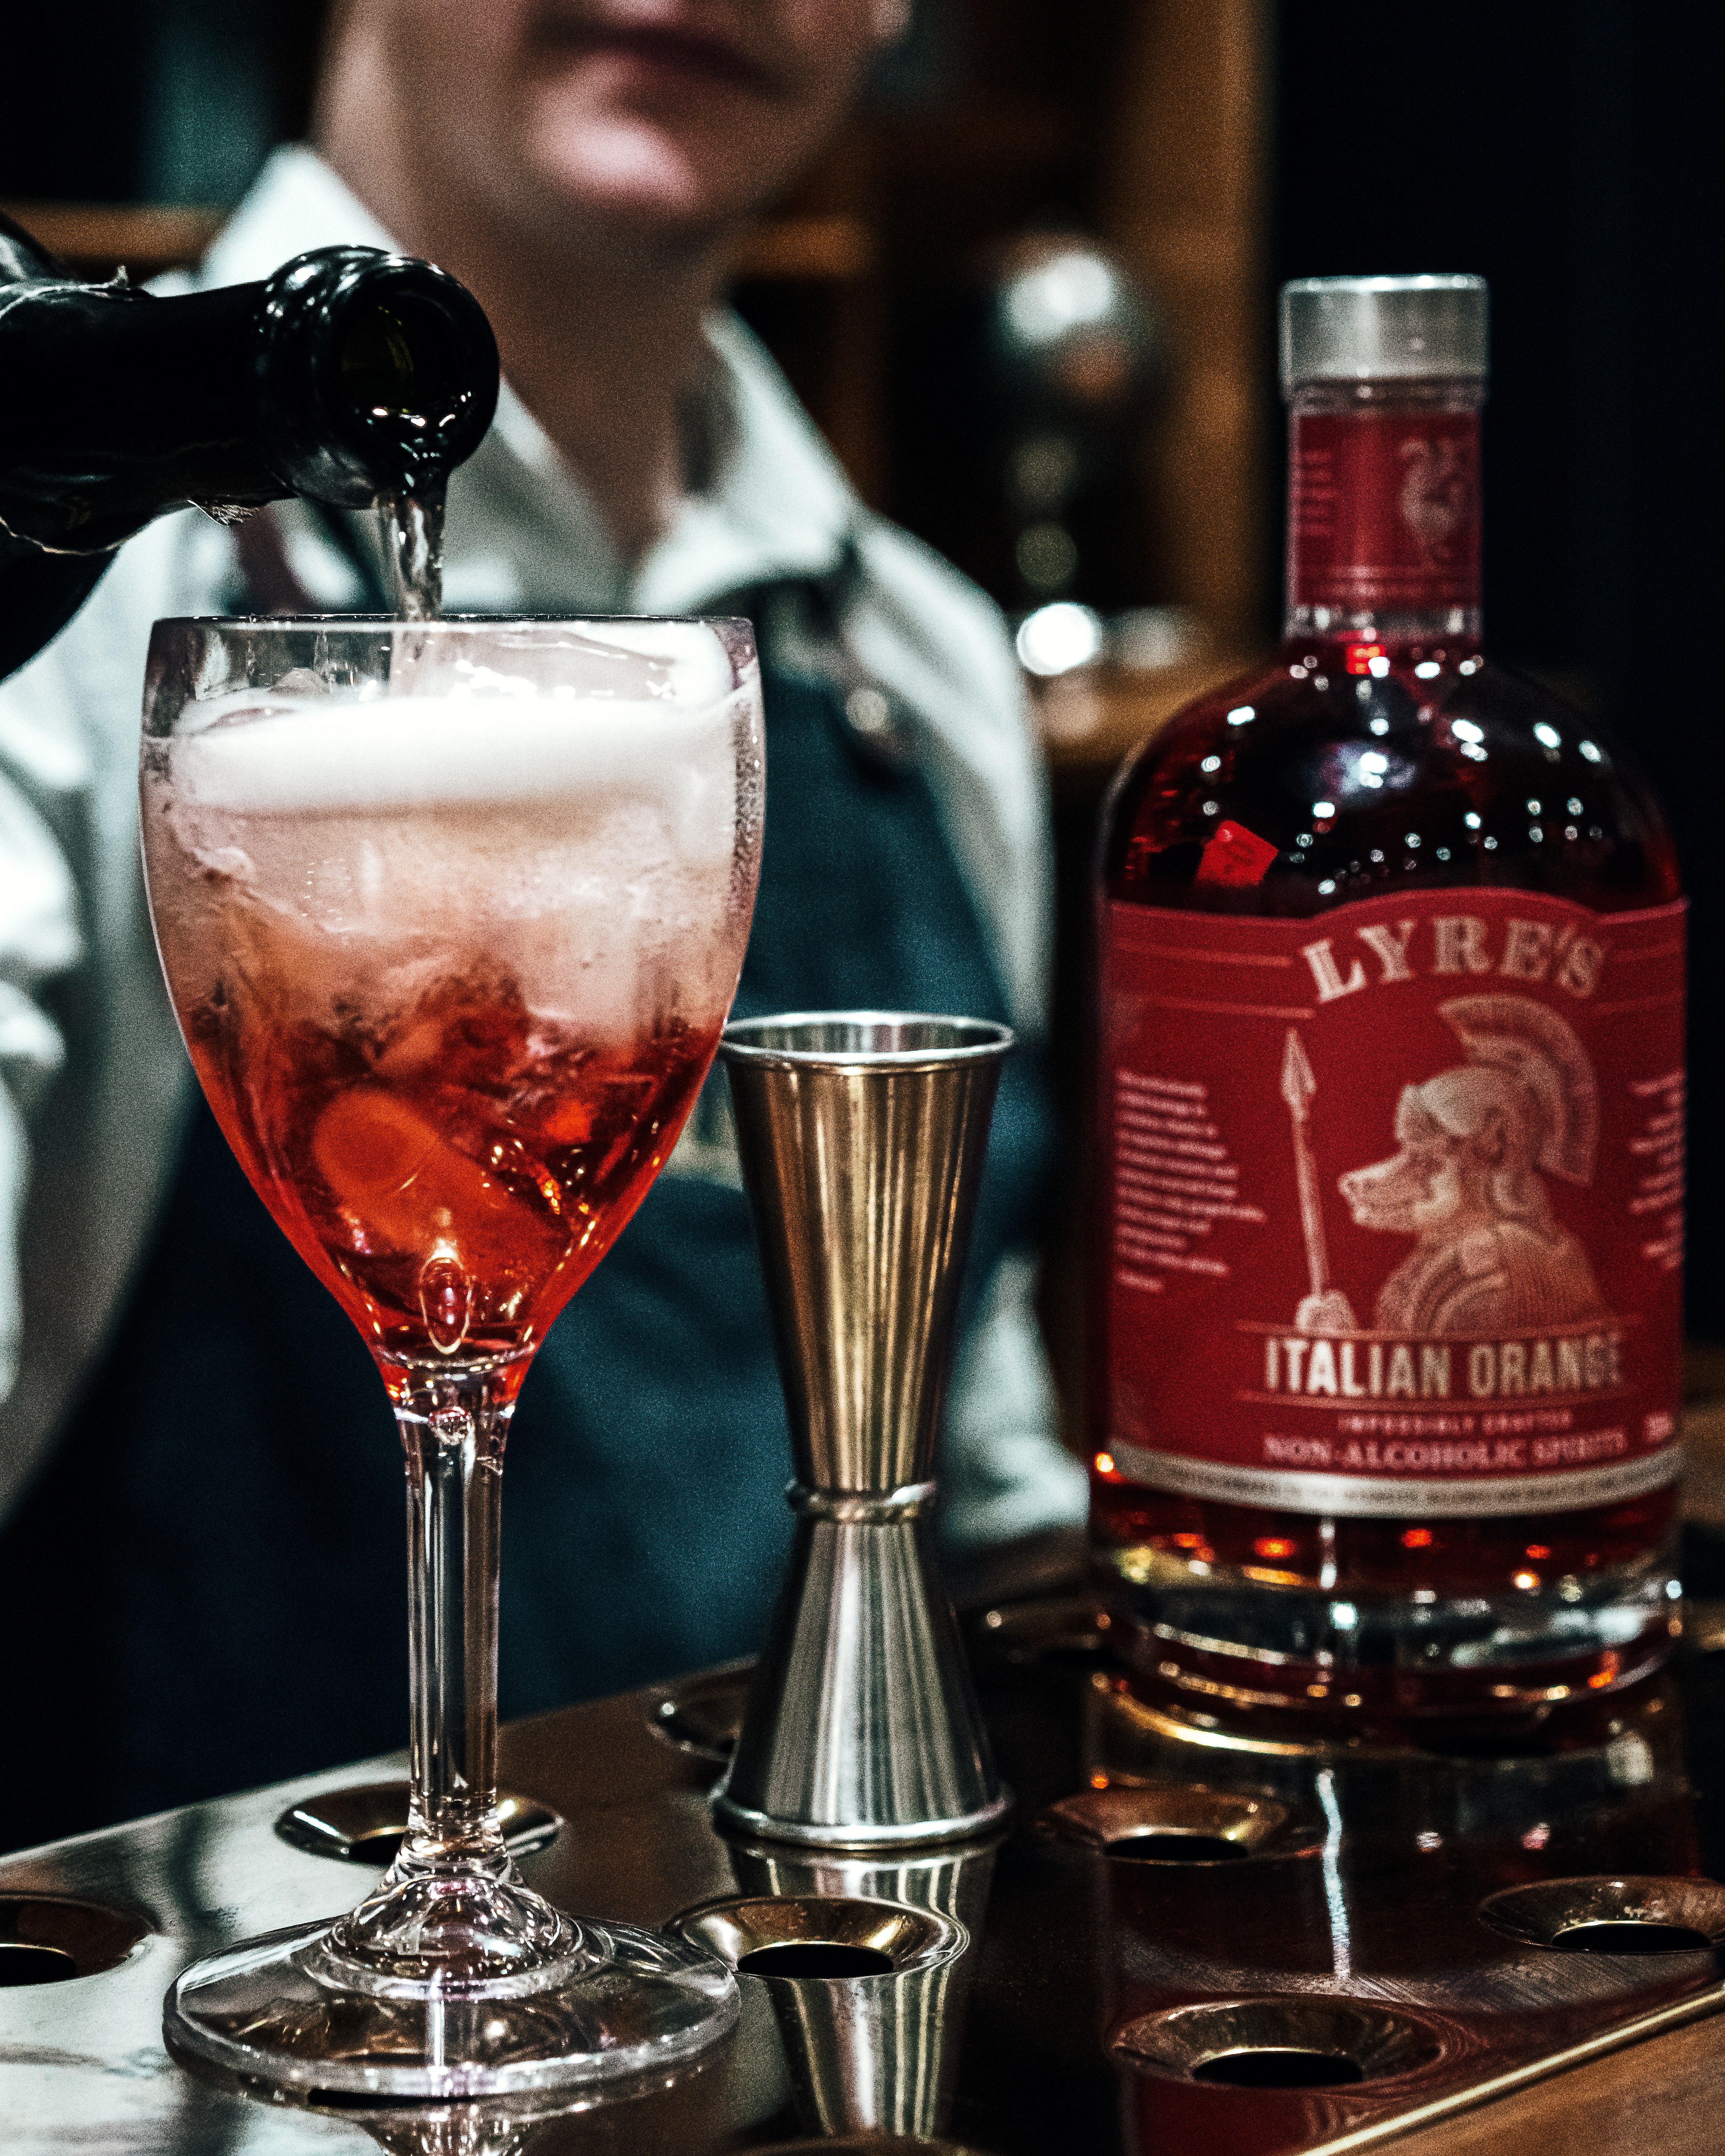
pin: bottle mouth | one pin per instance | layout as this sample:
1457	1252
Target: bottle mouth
376	375
409	370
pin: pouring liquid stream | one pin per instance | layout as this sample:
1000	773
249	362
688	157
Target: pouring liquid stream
411	524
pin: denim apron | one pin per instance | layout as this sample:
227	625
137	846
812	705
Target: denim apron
207	1590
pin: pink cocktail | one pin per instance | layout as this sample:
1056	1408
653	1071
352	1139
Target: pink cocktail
452	914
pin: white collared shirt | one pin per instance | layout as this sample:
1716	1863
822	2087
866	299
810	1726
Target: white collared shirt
96	1081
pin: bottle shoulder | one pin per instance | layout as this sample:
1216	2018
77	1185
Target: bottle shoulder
1341	786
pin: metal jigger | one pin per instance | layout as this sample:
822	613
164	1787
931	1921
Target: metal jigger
862	1134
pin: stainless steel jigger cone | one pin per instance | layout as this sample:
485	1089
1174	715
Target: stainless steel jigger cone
862	1134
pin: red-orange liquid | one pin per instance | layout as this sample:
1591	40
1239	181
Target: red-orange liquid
453	1181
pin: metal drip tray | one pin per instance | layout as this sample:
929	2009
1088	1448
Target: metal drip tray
365	1824
1414	1950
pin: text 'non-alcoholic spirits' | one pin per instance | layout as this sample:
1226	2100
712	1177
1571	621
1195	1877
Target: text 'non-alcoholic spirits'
1391	1117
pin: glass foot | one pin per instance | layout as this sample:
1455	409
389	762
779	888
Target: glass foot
294	2009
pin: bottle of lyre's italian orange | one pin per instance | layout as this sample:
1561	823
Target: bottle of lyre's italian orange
1391	1117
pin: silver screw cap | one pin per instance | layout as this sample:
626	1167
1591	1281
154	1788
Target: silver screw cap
1383	329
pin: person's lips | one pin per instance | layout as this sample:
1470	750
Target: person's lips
668	56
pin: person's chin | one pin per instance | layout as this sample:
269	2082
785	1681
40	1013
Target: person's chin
643	183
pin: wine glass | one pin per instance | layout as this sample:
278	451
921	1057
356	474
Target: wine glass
452	914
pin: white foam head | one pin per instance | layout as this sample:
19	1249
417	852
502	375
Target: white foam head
451	729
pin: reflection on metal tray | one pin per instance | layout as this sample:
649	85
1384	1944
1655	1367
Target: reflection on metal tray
1256	1950
364	1824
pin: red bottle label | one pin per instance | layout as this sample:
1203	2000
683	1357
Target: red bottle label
1384	511
1396	1202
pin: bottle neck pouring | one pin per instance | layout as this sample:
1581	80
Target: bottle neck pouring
348	376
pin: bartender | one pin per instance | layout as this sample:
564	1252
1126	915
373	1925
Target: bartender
200	1564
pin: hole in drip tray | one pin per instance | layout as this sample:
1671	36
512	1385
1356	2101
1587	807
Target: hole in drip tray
1518	1738
821	1936
1267	2067
1165	1822
1173	1845
49	1938
704	1717
28	1964
1631	1914
379	1849
1279	2042
1624	1935
815	1957
1070	1631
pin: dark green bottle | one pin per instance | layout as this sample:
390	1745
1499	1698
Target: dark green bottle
349	376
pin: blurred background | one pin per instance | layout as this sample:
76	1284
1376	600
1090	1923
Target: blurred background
1030	297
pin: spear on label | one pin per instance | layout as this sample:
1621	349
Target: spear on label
1325	1309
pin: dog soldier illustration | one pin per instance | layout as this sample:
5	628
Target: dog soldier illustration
1474	1143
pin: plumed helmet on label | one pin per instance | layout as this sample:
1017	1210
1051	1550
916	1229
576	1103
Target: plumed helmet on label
1524	1039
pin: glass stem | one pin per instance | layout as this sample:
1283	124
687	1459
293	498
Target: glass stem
452	1429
